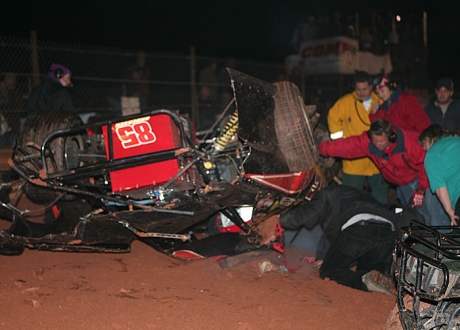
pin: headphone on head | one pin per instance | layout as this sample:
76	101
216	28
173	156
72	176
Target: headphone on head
384	80
377	127
392	85
58	73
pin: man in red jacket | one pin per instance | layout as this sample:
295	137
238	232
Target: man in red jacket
399	108
400	158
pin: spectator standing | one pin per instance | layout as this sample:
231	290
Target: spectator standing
209	83
444	110
399	108
350	26
297	37
225	88
140	73
11	104
400	158
442	164
52	93
324	26
337	27
310	29
209	95
349	117
365	39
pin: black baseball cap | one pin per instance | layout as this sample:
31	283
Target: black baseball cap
447	83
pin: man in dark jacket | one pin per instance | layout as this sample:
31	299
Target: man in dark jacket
445	110
361	232
52	93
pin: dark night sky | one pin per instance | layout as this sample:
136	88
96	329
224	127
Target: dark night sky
245	29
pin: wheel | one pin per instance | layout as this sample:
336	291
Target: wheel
9	246
64	150
394	319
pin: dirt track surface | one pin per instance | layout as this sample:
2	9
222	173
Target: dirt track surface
145	289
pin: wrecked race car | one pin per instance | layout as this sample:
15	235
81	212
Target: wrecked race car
149	177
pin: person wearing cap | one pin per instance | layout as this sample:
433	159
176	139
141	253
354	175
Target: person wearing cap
52	93
349	116
399	108
444	110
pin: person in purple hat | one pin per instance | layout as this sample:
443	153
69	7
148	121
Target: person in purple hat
52	93
444	110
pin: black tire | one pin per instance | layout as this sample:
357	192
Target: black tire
40	124
64	149
9	246
394	319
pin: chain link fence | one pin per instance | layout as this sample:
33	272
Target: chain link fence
101	77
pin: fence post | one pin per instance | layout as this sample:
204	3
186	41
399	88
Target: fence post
34	58
194	99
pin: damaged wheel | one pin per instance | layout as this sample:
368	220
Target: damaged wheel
62	152
407	316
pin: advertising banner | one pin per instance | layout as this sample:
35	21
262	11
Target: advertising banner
331	55
336	55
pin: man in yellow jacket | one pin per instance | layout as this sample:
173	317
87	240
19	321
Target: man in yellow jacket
348	117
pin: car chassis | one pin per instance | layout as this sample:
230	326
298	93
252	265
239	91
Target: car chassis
148	176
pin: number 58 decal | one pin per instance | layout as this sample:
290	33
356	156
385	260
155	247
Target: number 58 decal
135	134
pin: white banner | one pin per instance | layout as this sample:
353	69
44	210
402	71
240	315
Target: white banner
337	55
331	55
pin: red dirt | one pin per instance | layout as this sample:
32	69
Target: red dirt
145	289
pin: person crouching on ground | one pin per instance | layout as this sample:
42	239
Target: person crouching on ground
361	232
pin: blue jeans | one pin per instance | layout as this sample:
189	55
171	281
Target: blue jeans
431	209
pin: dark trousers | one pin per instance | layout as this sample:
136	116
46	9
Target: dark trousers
376	183
368	246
